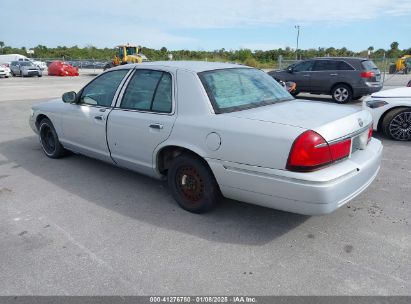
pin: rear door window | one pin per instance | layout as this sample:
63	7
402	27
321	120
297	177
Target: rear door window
150	91
325	65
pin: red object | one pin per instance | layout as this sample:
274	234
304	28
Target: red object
60	68
367	74
370	133
311	151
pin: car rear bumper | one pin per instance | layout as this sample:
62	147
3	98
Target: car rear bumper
313	193
371	87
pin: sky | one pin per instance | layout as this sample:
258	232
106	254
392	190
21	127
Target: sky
207	25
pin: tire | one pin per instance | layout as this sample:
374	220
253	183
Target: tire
397	124
39	75
12	74
294	93
49	140
192	184
341	93
392	69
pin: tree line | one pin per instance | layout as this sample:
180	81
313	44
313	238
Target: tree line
257	58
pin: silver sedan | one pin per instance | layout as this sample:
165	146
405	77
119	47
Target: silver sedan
216	130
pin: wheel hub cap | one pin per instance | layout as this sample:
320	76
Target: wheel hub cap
341	94
190	183
400	126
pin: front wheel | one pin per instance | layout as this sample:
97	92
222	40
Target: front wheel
192	184
341	93
49	140
397	124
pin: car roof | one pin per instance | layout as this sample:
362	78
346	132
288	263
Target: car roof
194	66
342	58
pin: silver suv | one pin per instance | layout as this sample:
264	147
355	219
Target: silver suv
25	68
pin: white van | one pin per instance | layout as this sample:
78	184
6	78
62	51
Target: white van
17	57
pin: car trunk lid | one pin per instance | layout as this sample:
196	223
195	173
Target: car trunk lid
331	121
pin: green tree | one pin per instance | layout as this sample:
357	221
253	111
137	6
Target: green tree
1	46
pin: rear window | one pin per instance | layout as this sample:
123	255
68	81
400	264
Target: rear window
369	65
238	89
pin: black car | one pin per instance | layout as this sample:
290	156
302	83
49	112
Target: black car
343	78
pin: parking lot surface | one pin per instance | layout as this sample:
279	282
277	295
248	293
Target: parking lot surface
77	226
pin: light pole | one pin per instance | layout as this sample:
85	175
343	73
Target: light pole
297	27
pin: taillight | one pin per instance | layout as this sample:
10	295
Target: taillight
370	133
311	151
368	74
340	149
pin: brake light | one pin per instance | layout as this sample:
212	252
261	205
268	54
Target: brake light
370	133
340	149
311	151
368	74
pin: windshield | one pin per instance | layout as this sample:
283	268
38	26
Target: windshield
238	89
25	63
131	50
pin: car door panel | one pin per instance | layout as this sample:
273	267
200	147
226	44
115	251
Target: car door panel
133	136
84	130
301	75
84	122
142	120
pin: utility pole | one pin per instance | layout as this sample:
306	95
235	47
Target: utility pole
297	27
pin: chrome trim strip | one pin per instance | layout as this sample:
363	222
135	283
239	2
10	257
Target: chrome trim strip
358	132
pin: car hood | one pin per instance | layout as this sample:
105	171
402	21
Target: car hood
47	104
330	120
404	92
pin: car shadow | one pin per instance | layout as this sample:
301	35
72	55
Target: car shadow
148	200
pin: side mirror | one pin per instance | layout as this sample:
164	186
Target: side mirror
69	97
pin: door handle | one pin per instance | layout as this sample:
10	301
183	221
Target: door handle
306	75
334	74
98	117
156	126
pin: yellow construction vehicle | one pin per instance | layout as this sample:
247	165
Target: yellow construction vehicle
127	54
403	64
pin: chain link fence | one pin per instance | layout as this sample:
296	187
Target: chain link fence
79	63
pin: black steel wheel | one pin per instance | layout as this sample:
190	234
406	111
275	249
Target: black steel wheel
192	184
49	140
397	124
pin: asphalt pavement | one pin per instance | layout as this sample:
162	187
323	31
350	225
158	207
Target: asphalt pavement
77	226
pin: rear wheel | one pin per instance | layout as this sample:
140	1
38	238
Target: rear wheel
192	184
341	93
397	124
49	140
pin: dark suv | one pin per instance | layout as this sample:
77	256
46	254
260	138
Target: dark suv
343	78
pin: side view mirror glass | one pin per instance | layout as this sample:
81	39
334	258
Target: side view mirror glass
69	97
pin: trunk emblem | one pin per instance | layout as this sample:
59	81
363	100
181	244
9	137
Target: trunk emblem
360	122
